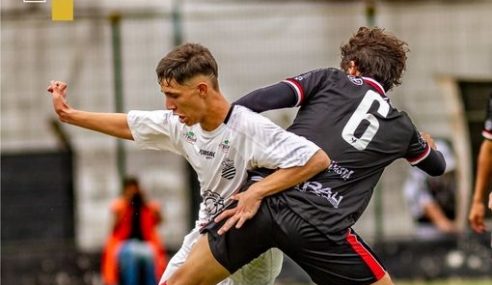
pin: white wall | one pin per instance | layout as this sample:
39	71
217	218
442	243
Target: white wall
255	44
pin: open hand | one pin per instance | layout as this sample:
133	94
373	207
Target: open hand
476	217
248	204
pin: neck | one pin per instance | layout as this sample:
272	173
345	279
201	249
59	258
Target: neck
218	108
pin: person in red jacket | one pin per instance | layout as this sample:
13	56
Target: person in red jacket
134	253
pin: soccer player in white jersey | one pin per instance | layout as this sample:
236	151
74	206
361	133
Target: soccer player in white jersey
220	141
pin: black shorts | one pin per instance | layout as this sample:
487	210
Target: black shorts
346	260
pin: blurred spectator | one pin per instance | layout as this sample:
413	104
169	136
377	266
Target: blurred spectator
133	254
484	176
432	199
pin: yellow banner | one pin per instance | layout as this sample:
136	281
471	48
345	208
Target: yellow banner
62	10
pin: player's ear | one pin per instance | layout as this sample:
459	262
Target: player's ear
352	69
202	88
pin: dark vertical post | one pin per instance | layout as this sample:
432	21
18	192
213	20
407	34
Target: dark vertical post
115	20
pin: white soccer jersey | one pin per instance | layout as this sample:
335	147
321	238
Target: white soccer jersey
221	157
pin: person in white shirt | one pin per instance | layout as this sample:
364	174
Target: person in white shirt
220	141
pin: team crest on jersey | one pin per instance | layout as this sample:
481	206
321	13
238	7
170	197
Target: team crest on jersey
213	202
225	146
356	80
190	137
228	169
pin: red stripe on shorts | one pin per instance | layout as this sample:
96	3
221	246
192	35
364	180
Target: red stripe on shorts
366	256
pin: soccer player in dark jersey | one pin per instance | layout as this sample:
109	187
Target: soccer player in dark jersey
347	113
484	176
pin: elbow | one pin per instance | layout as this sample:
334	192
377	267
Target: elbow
323	160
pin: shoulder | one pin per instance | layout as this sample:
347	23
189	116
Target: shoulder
118	204
320	73
244	119
152	116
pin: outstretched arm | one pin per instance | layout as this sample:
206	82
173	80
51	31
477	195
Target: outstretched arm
114	124
249	201
433	162
483	179
273	97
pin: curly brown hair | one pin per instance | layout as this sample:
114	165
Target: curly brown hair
376	54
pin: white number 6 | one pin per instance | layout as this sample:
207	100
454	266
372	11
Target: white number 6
362	114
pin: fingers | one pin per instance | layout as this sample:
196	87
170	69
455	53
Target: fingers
241	222
57	86
477	224
478	228
225	214
228	224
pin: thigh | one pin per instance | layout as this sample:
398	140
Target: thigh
200	267
346	260
238	247
181	255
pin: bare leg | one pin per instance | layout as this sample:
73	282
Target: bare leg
386	280
200	268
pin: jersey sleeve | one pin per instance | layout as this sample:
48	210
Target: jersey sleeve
154	130
272	147
418	149
420	154
309	83
272	97
487	129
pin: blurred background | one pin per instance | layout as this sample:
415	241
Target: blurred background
57	181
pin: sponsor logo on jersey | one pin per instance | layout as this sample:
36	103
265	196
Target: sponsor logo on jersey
190	137
213	202
355	80
207	153
325	192
343	172
225	146
228	169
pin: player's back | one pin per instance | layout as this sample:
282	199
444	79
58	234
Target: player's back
352	120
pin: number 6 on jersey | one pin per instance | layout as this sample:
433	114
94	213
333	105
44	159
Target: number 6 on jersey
361	114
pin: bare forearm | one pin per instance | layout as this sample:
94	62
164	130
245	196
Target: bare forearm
113	124
285	178
484	171
438	218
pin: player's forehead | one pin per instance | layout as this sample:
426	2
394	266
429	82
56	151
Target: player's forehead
171	86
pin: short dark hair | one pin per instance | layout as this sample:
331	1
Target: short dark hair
130	181
185	62
376	54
